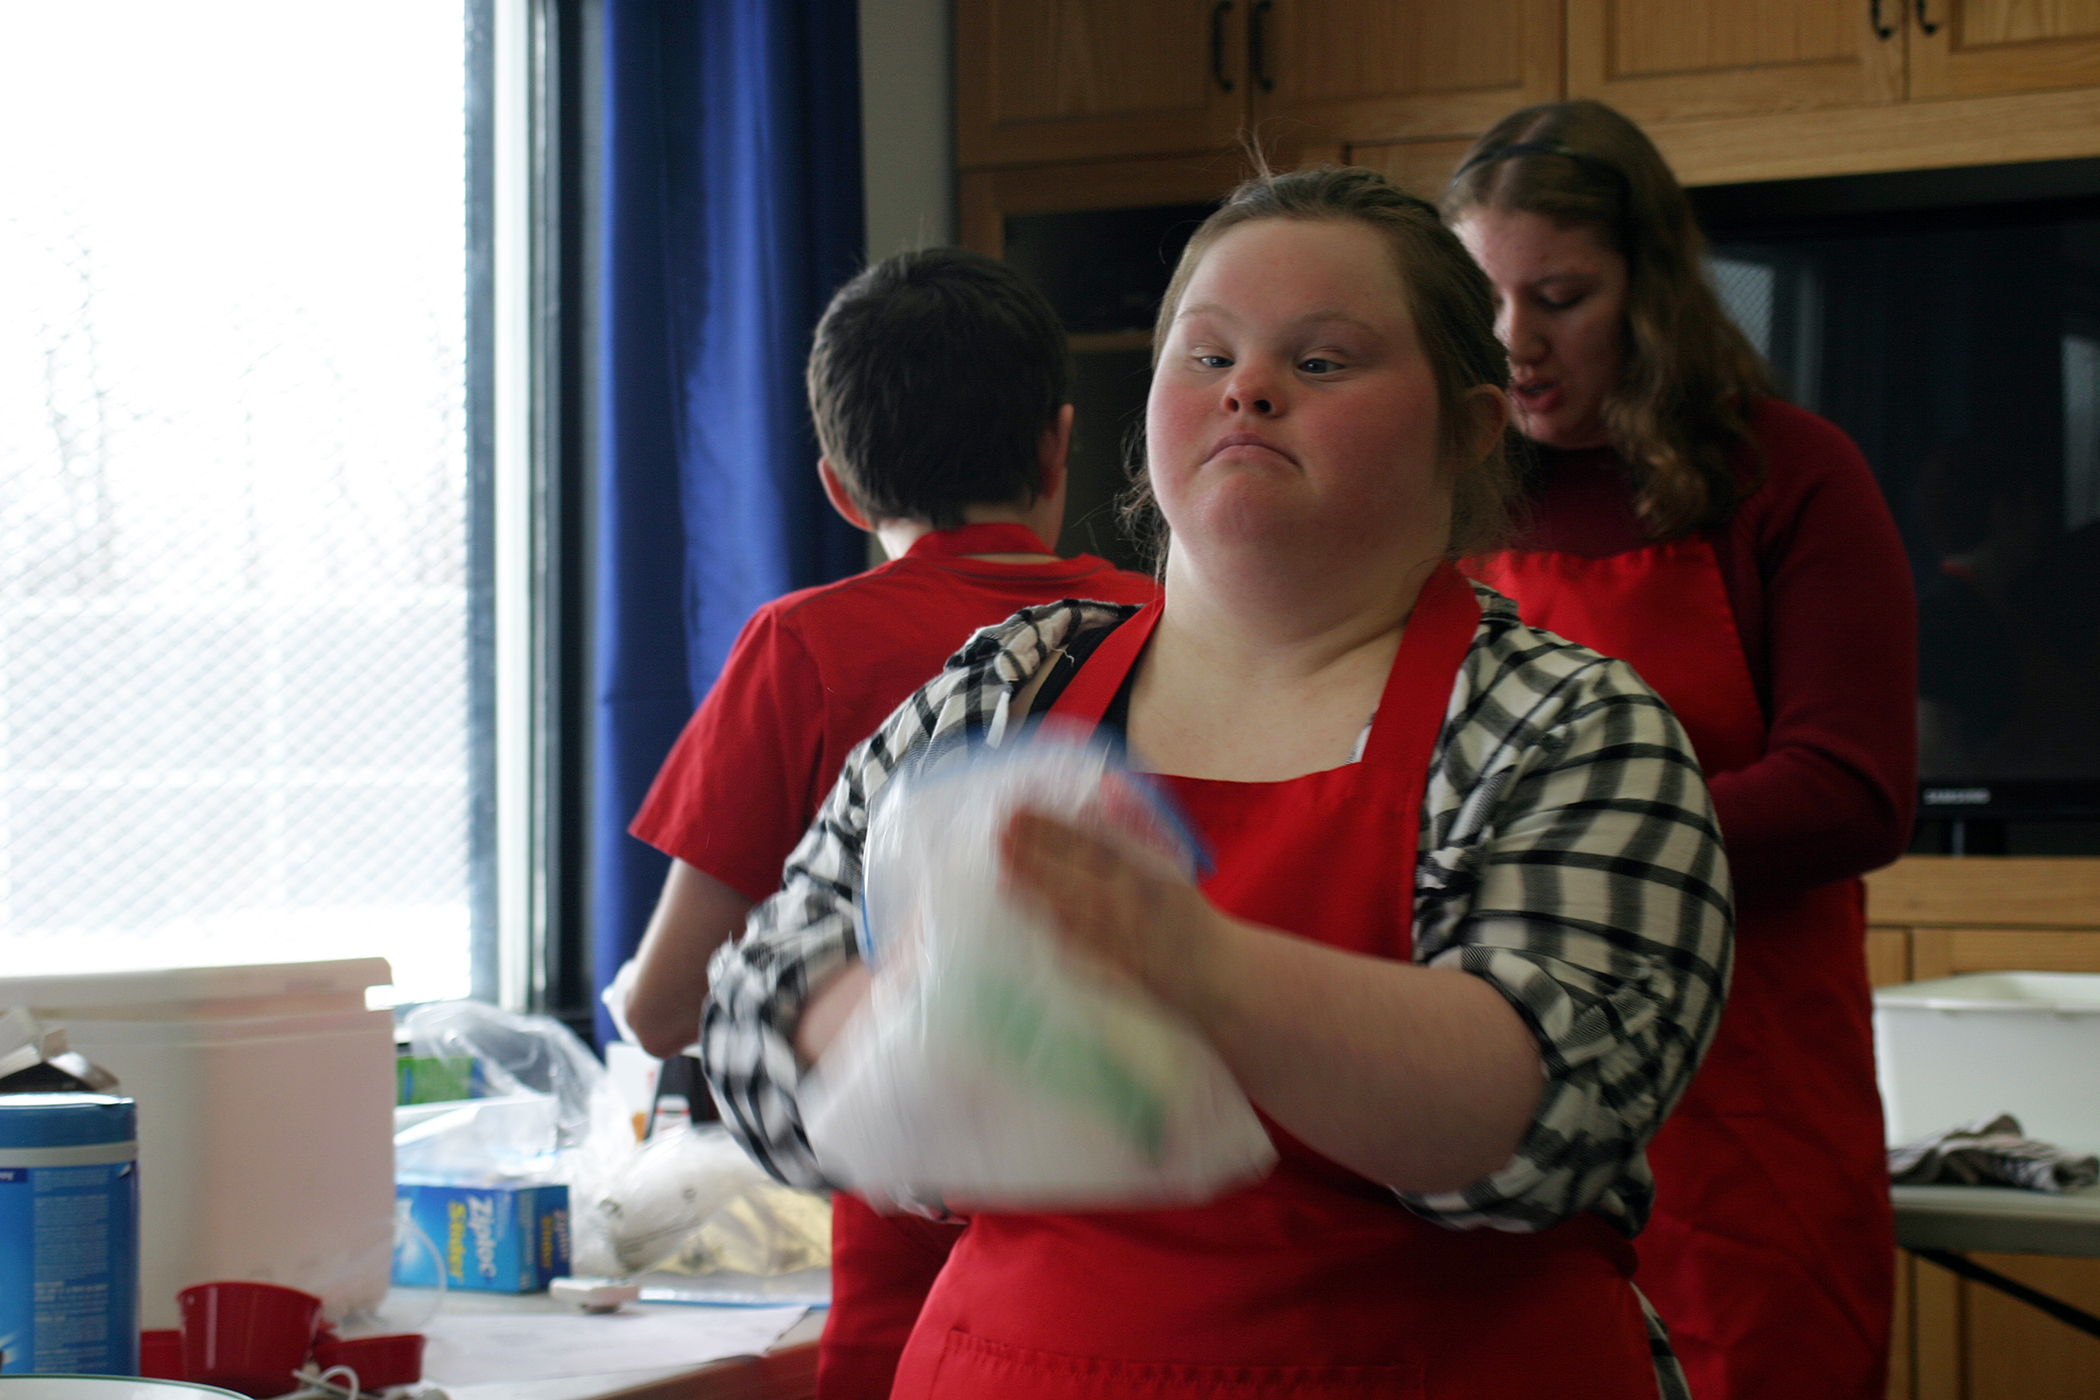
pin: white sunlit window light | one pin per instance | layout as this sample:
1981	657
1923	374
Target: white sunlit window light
235	604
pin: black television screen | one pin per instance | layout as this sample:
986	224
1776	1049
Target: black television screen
1952	327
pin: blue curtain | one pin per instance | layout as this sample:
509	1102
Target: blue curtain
731	207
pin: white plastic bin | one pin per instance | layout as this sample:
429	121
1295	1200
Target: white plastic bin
265	1101
1961	1048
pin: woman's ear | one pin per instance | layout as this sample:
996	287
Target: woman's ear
1491	418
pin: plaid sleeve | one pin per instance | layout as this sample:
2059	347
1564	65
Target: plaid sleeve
798	939
1571	858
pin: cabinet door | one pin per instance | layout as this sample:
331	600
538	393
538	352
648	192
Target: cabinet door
1371	70
1969	48
1663	60
1060	80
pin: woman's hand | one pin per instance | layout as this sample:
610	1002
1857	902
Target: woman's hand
1162	932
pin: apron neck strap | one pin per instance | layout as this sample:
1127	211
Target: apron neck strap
1417	690
1088	694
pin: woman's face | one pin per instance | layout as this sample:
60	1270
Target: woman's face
1293	402
1560	299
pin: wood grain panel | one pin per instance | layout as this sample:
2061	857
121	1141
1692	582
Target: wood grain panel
1980	22
1937	1342
1907	136
2007	891
1422	168
2018	1353
1096	58
1368	70
1344	49
1902	1365
1949	952
1672	60
1975	47
1064	80
2021	950
1888	956
1654	37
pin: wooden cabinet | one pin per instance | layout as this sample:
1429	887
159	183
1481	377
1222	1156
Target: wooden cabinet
1669	60
1046	81
1665	60
1934	917
1970	48
1367	70
1731	90
1057	80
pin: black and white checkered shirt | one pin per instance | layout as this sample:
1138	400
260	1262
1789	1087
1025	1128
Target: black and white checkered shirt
1568	854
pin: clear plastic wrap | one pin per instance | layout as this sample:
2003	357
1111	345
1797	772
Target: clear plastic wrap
991	1067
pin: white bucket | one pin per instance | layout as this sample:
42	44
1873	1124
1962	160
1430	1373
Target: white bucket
1961	1048
265	1119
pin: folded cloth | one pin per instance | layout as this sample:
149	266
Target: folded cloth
1990	1152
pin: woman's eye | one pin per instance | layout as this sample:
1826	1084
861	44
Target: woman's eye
1319	365
1560	303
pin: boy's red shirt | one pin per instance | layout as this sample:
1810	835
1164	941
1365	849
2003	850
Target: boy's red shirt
814	672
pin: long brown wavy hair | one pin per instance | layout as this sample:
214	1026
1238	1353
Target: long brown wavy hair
1454	316
1689	377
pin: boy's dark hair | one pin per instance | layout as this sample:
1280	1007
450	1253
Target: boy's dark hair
933	377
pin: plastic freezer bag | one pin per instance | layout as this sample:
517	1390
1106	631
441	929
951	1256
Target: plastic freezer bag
991	1067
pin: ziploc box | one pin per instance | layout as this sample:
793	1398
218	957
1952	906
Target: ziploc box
507	1238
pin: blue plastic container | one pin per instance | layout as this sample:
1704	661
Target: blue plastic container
69	1234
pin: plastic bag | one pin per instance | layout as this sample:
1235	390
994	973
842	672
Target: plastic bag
469	1141
990	1066
692	1202
522	1058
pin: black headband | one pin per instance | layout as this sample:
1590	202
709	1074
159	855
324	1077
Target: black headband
1595	165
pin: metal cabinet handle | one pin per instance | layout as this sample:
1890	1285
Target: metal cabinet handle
1881	31
1217	43
1258	44
1923	23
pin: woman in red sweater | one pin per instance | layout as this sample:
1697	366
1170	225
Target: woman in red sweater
1737	551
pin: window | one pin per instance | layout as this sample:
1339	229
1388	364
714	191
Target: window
1778	304
249	679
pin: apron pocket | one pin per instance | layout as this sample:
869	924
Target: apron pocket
973	1367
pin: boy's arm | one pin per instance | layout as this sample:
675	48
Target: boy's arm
695	915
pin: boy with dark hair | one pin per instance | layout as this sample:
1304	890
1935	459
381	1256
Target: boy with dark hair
939	383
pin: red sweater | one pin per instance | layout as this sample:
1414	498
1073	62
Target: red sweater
1821	589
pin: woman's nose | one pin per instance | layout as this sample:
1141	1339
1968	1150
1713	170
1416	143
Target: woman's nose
1250	391
1521	335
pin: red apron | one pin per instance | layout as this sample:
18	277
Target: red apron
1315	1282
882	1265
881	1269
1770	1253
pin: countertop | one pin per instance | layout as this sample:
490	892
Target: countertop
787	1372
1998	1219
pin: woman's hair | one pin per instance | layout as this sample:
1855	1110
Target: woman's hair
1454	317
1689	376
